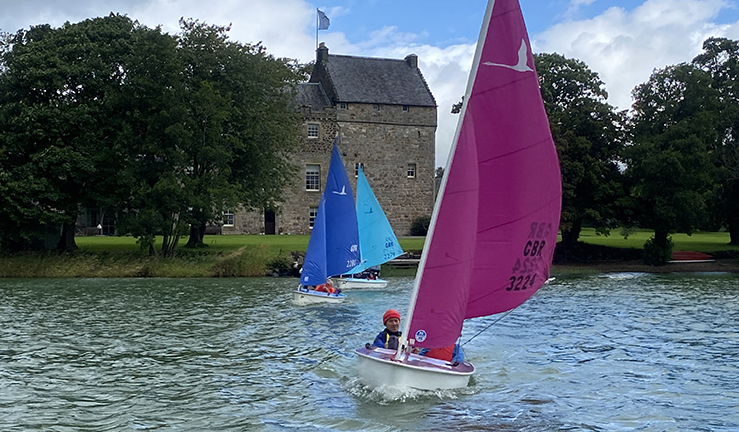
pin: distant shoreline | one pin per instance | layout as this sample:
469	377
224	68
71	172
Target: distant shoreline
730	265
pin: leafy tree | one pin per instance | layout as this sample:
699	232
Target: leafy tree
720	59
58	113
670	163
240	125
589	135
153	198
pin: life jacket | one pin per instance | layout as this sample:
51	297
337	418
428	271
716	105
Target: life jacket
391	341
327	288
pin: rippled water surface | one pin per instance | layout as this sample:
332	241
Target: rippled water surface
599	353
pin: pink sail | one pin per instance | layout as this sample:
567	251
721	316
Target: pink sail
493	233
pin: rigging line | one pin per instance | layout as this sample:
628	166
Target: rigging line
490	325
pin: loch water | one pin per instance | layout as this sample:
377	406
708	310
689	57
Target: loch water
618	352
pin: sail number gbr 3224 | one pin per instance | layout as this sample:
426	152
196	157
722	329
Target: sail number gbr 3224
524	271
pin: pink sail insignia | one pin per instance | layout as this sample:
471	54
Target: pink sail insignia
495	228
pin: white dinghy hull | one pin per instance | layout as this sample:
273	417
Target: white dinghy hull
378	368
302	297
343	283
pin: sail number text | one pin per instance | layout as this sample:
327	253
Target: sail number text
525	269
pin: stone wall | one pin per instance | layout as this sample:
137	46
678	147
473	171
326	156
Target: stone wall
385	139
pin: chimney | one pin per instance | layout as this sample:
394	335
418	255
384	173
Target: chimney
321	53
412	60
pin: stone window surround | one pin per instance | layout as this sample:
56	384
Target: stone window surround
312	212
313	177
228	218
312	129
411	172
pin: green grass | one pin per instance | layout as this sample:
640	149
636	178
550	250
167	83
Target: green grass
251	255
706	242
222	244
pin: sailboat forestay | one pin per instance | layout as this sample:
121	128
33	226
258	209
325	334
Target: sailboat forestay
494	227
377	241
333	248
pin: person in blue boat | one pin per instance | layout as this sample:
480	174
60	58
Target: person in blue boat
388	338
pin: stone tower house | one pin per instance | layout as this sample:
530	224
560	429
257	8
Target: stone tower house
385	118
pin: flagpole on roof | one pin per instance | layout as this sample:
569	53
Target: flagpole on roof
318	24
322	23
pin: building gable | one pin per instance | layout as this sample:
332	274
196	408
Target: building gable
371	80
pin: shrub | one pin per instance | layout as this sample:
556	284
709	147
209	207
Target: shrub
281	266
657	255
420	226
244	262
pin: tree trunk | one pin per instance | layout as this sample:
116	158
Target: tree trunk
197	234
571	236
660	238
734	231
66	240
195	238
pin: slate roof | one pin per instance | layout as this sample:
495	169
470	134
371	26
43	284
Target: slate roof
313	96
375	81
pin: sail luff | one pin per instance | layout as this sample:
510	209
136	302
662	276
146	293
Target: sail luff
444	181
342	235
494	227
333	248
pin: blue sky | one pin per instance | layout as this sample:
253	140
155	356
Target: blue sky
623	41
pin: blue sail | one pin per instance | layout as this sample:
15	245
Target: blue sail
314	265
333	248
377	241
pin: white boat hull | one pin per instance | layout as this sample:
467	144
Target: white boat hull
302	297
344	283
377	368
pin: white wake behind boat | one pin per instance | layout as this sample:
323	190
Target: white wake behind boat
494	227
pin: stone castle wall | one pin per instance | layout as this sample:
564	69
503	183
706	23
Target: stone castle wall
385	139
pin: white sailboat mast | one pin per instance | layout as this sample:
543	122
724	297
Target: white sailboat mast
403	343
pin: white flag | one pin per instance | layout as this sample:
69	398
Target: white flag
323	21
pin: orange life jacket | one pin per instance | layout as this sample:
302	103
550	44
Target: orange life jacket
327	287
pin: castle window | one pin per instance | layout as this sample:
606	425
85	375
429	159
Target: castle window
343	105
313	130
228	218
376	107
406	108
411	173
312	212
356	168
312	177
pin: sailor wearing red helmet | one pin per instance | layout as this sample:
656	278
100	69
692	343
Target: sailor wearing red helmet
388	338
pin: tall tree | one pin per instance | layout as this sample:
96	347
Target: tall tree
670	164
589	136
240	124
58	89
720	58
153	198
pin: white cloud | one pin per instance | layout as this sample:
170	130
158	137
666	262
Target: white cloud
624	48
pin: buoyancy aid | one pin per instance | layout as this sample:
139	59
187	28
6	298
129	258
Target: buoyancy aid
391	340
327	288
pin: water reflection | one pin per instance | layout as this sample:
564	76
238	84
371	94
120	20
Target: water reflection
614	353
